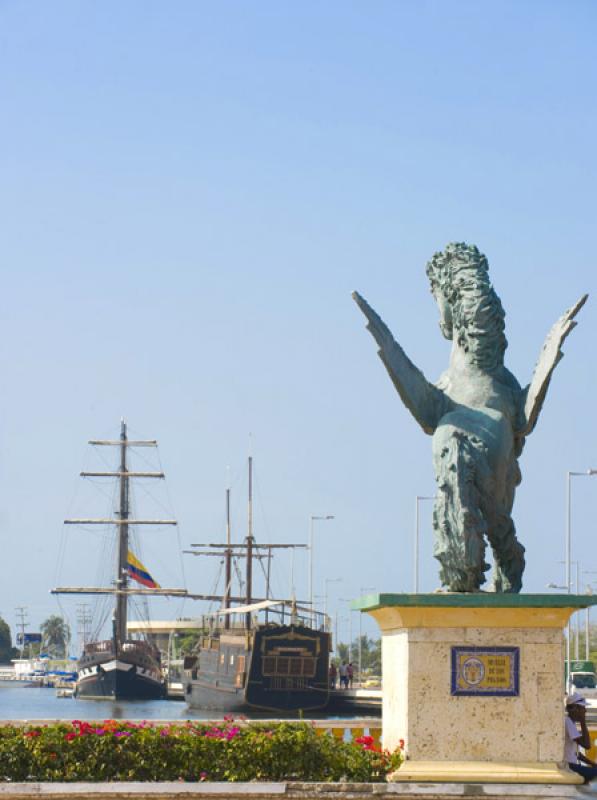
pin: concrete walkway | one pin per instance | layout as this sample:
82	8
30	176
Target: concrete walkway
291	791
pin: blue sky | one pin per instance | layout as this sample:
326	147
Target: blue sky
190	192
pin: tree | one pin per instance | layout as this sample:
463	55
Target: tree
7	651
370	654
342	651
55	633
188	641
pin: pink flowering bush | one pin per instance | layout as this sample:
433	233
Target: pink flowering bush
223	751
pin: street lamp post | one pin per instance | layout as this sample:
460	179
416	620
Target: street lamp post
349	635
575	564
350	610
570	630
418	499
337	620
589	590
577	641
587	628
569	475
312	519
361	591
325	594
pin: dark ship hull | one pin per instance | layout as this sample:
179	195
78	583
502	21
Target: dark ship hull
132	674
277	668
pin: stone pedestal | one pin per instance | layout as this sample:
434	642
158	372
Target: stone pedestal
474	684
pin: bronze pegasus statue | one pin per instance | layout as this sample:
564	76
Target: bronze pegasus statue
478	415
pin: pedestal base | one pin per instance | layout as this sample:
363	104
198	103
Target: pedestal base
473	685
483	772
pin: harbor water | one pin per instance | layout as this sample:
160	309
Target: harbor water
41	703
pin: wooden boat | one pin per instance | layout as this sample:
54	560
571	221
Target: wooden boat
270	655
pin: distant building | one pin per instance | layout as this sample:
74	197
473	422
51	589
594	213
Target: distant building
161	631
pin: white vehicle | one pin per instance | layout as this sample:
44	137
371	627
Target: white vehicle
585	683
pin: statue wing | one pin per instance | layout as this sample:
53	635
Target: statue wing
426	402
551	354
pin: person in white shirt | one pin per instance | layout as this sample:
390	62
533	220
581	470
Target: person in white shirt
575	738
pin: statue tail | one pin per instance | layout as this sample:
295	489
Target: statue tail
461	467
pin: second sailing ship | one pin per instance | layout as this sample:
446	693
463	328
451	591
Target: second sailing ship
241	663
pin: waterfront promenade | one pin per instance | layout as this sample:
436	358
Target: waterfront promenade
291	791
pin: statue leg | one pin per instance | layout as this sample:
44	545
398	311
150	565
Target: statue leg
459	524
508	553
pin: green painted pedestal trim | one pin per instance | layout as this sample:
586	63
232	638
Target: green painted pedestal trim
371	602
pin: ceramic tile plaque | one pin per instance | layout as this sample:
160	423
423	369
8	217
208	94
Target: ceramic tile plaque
485	671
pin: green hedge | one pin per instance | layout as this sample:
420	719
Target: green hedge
125	751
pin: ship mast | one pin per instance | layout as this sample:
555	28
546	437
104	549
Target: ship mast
122	521
248	549
250	541
228	577
120	609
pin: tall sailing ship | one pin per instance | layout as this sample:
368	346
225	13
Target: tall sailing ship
120	667
277	664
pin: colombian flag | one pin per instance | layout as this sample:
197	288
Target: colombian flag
139	573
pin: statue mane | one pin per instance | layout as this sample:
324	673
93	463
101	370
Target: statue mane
460	274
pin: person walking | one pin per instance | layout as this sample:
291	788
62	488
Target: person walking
350	674
332	675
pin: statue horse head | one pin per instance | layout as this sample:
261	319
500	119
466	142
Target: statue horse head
471	313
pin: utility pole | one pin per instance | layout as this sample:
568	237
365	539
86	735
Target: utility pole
21	612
